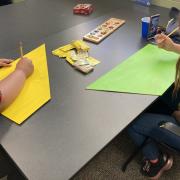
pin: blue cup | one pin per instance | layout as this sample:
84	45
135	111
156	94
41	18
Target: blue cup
145	26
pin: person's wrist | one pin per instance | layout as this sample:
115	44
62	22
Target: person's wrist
21	73
176	48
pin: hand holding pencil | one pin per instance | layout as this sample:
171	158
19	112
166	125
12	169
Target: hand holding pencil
164	41
24	65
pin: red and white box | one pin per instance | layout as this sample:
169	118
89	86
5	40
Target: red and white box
84	9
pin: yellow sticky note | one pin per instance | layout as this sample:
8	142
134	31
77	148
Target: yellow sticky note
59	53
67	47
55	52
69	60
80	45
36	91
92	61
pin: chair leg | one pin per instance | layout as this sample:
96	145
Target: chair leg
132	156
129	159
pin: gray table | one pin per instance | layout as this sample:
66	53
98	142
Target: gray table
60	138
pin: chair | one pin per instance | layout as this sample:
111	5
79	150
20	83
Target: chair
170	127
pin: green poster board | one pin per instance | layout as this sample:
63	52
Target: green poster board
149	71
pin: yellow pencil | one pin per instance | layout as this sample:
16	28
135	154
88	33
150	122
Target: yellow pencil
21	49
173	32
176	29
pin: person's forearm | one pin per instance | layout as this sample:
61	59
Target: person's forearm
176	48
10	87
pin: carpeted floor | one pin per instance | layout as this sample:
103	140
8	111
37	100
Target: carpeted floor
107	164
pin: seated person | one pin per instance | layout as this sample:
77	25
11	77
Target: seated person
147	125
11	86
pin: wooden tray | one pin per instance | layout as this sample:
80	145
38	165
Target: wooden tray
104	30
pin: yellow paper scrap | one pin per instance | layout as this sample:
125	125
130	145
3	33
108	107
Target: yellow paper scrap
67	47
59	53
36	91
80	45
92	61
69	60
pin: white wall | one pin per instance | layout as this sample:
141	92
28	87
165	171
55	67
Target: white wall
167	3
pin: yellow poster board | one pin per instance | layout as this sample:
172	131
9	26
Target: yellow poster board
36	91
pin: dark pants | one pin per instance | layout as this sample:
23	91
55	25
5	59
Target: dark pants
147	126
